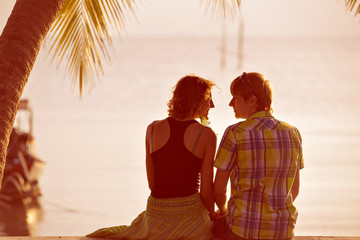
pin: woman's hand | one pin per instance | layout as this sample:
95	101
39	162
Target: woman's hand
214	216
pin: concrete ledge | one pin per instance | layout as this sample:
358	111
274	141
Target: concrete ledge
325	238
86	238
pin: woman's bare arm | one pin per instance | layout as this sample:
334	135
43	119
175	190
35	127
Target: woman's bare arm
220	185
149	166
207	170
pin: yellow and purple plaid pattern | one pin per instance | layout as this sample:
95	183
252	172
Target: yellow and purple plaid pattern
263	155
171	218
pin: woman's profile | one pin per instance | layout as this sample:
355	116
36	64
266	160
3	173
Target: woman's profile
179	163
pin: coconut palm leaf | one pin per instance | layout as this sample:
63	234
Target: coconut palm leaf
221	9
353	4
81	33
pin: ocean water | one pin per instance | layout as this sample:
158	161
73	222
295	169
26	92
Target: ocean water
94	146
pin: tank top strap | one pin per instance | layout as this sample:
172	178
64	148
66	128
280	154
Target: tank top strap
180	127
197	139
151	137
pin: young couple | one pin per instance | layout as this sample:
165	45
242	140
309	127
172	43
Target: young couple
261	156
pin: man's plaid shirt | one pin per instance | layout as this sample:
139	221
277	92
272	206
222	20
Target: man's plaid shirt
263	155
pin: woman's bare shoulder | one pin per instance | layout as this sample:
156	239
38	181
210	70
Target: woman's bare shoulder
209	132
157	123
206	131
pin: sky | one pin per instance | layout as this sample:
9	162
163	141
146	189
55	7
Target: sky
274	18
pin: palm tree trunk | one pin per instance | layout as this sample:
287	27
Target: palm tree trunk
20	43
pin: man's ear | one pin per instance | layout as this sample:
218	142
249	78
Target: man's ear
253	100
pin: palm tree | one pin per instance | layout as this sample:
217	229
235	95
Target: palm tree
221	9
353	5
82	33
20	43
80	29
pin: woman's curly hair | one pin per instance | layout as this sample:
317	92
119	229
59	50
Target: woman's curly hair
188	93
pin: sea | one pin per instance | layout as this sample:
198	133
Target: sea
94	144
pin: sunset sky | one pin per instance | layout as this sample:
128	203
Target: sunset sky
279	18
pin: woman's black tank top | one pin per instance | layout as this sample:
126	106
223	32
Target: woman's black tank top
176	169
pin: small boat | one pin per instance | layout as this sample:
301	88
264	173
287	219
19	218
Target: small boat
22	168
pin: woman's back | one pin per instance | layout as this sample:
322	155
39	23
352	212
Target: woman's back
176	167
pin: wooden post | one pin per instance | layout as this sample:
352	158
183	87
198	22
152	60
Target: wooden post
223	49
240	47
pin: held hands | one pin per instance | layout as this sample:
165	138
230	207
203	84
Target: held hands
214	216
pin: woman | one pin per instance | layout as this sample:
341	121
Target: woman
262	157
179	161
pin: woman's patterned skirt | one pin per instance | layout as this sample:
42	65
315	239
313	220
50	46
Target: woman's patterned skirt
170	219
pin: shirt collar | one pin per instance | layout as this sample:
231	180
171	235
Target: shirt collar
261	114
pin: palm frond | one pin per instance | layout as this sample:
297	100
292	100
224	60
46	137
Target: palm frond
81	34
221	9
353	5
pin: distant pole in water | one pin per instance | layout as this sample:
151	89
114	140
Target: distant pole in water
240	48
223	44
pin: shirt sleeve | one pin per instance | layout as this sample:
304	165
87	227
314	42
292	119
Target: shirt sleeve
227	151
300	163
